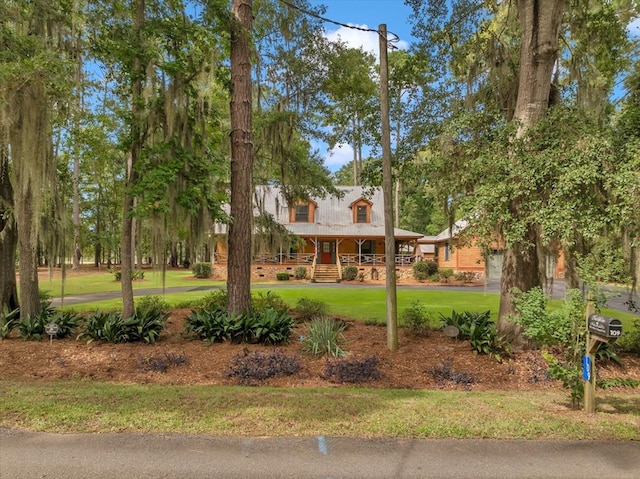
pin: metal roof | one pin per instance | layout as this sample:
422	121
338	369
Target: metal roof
333	216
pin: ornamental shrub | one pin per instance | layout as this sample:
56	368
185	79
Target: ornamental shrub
307	309
282	276
8	321
423	270
353	370
261	302
269	326
300	272
445	274
415	319
216	299
324	337
349	273
480	331
202	270
255	367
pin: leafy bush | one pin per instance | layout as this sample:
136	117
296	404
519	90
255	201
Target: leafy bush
630	340
261	302
415	319
145	326
106	327
267	327
542	327
300	272
202	270
67	322
570	373
465	276
151	304
423	270
324	337
349	273
208	324
31	327
8	321
446	374
353	370
445	274
308	309
563	329
270	327
256	366
217	299
480	331
282	276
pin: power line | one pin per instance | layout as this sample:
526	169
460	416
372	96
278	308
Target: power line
390	41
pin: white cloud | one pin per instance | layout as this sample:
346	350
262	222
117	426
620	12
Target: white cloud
359	38
338	156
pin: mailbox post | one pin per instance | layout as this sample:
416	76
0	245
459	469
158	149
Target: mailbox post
600	329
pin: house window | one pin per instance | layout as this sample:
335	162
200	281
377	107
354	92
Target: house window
368	247
302	213
447	252
361	214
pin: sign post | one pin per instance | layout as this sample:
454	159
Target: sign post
587	365
600	329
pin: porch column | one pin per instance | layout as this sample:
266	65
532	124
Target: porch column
360	242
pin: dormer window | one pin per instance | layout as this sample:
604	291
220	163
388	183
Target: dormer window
361	209
302	213
361	214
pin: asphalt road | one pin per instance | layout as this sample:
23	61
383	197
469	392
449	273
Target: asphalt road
616	298
25	455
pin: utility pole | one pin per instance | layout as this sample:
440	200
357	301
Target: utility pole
387	193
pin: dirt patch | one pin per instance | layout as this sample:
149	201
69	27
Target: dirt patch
175	359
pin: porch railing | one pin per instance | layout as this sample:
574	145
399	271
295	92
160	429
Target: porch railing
375	259
290	258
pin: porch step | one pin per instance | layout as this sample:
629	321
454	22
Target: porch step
326	273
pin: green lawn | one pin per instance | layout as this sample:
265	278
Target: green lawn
244	411
105	281
363	303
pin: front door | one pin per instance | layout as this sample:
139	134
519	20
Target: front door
327	252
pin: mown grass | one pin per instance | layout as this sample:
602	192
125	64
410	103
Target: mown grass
104	281
362	303
240	411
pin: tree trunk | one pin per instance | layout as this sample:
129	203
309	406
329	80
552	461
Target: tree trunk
127	253
8	232
239	262
29	135
540	22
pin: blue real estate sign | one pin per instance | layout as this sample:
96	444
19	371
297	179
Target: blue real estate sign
586	368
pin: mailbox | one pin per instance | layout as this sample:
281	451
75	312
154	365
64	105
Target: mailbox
607	329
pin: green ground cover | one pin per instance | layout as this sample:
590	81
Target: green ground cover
243	411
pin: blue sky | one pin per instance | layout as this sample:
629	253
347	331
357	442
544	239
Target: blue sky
370	14
363	14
